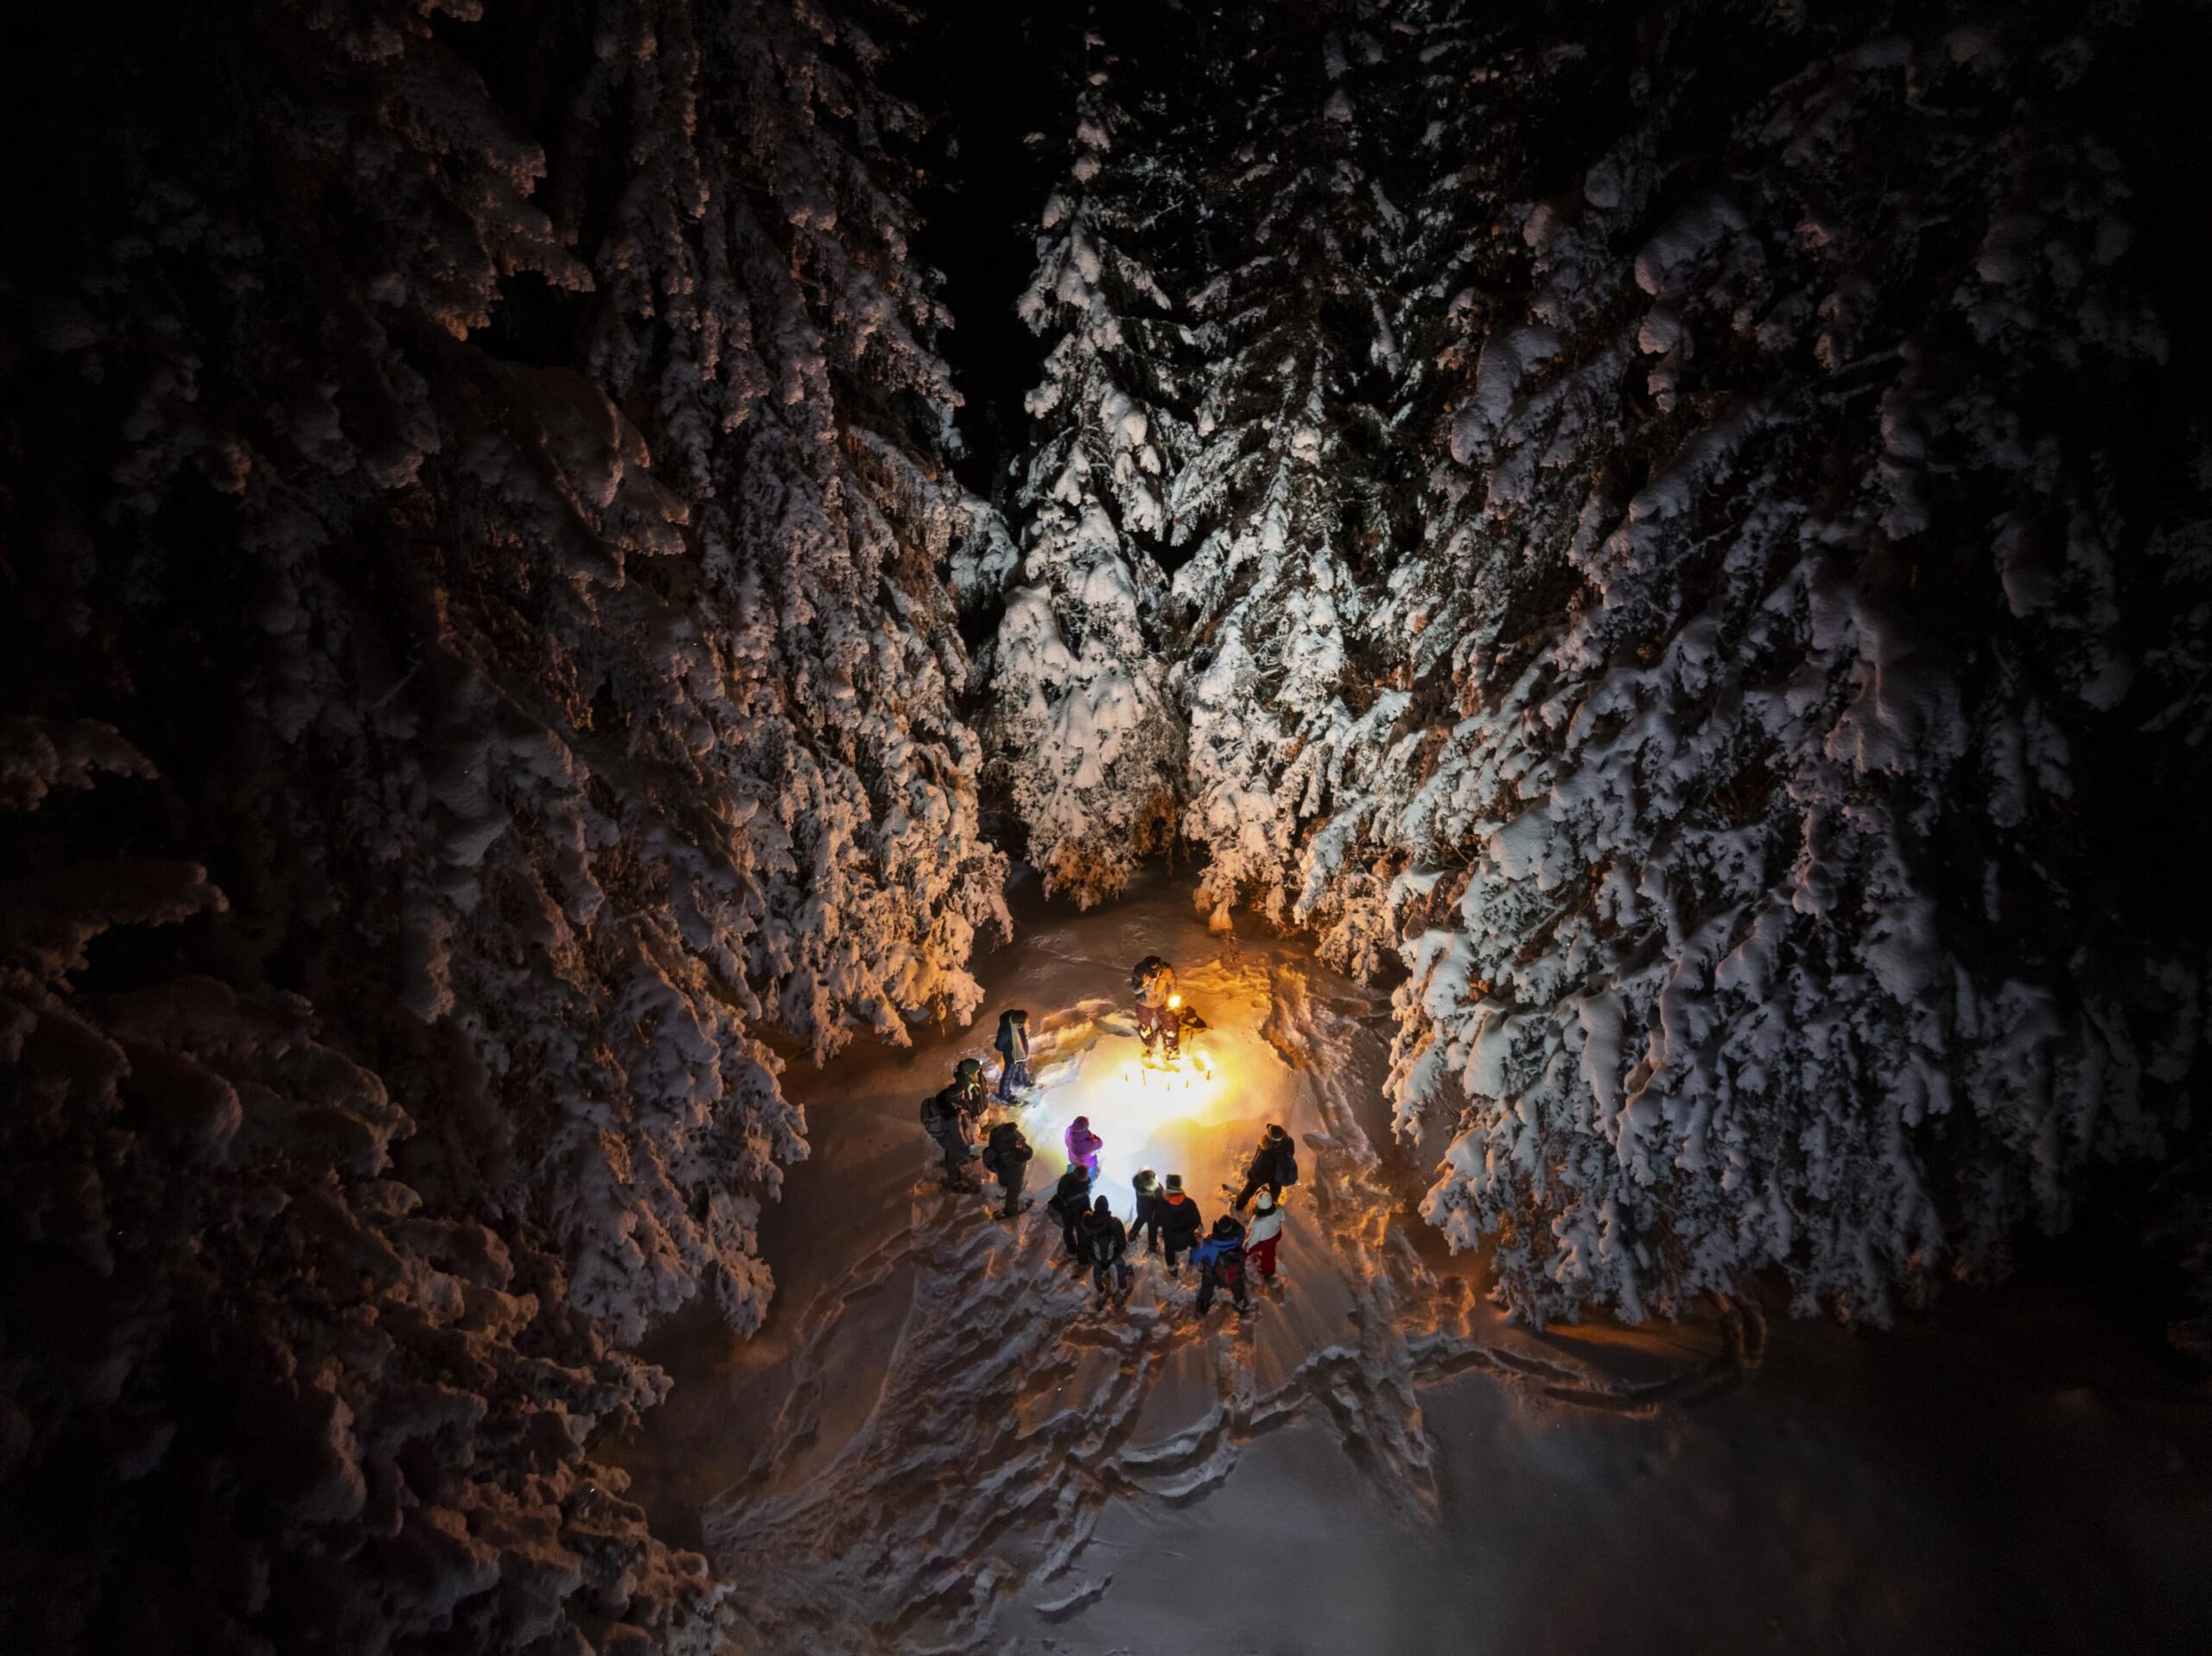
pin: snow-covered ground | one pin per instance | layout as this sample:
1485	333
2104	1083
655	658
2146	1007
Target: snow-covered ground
938	1443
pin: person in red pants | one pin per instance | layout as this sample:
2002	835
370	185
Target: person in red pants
1260	1241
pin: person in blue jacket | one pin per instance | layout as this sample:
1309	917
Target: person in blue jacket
1220	1262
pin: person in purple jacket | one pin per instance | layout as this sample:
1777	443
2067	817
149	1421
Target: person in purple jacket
1083	1145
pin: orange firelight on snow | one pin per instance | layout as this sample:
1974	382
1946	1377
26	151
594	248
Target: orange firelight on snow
1189	1073
1147	1106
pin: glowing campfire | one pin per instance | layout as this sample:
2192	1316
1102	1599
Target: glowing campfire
1192	1070
1141	1107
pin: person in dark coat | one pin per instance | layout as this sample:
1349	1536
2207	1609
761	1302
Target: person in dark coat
1220	1262
1147	1223
1071	1201
943	1120
1106	1246
1005	1157
1274	1164
1013	1043
968	1084
1180	1223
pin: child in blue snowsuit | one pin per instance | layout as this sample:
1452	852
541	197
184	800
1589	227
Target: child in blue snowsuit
1220	1260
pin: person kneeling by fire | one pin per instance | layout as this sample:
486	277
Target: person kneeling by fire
1161	1015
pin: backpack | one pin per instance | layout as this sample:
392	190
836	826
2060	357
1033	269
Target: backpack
1285	1163
936	1120
1228	1266
1000	1151
1064	1192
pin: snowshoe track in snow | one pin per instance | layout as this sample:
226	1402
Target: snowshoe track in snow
1011	1409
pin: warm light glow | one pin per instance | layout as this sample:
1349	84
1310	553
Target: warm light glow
1191	1073
1146	1107
1174	1001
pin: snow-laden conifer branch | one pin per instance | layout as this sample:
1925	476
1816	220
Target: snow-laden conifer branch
523	566
1080	728
1659	551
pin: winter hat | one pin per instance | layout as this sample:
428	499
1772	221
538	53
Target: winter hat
1274	1131
1174	1184
1102	1206
967	1070
1083	1121
1146	1178
1266	1204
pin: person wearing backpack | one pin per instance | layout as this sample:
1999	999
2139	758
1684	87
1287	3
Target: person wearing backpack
1071	1202
1013	1043
1260	1240
1147	1222
968	1087
1274	1164
1005	1157
1180	1223
1083	1145
945	1122
1220	1262
1106	1247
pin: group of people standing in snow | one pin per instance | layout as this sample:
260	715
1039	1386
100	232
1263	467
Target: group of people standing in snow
1224	1256
952	1115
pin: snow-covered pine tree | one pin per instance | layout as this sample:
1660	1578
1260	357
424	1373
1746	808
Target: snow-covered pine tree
780	342
1479	108
257	1394
521	572
1080	728
1766	676
1282	500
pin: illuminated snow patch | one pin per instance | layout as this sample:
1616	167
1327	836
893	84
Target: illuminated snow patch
1198	1118
1144	1111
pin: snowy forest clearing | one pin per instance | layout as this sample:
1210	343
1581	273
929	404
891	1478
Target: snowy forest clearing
938	1443
550	556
